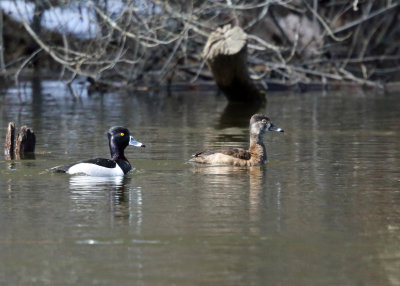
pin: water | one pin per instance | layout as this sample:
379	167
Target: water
323	211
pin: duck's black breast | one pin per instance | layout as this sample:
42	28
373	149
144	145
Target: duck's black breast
108	163
124	165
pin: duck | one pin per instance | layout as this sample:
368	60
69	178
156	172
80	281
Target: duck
119	138
255	155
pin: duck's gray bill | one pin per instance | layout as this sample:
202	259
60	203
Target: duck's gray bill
135	143
274	128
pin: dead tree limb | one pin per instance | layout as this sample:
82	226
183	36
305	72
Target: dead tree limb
226	55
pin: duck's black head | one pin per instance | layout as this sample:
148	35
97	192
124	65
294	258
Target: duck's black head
119	138
259	123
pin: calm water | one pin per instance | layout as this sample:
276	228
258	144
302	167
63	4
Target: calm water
323	211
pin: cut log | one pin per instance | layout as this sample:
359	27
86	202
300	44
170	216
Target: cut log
226	55
9	145
26	141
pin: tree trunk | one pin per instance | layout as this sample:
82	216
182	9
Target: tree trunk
226	55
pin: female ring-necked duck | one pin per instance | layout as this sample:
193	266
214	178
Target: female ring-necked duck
119	138
259	123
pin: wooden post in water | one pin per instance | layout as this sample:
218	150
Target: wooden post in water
226	55
9	145
23	147
25	144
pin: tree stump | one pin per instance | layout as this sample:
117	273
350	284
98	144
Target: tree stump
9	144
226	55
26	141
23	147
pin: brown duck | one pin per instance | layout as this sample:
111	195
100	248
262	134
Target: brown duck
259	123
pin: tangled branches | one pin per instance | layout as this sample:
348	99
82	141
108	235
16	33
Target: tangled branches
299	41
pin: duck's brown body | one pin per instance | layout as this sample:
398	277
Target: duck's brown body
234	156
256	154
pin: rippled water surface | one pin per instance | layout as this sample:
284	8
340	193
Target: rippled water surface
325	209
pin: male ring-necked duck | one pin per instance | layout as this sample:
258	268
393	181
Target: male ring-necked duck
119	138
259	123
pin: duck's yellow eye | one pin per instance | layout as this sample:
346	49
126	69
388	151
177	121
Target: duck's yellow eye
264	121
122	134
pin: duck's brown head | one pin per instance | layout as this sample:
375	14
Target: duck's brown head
259	123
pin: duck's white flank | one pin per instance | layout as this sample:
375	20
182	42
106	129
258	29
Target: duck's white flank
95	170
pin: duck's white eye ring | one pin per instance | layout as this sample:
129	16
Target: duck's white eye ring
264	121
122	134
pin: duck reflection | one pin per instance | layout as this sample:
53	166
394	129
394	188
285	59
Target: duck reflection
227	176
90	183
125	201
255	173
